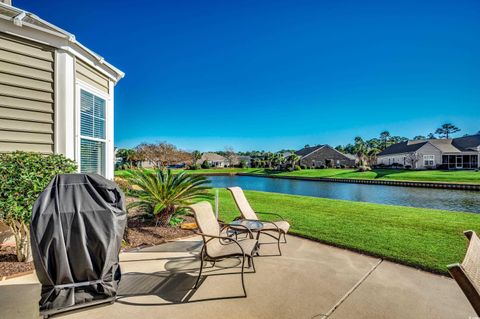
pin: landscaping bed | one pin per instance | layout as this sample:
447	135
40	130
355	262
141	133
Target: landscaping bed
141	230
9	265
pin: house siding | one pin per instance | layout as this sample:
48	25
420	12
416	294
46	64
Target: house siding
26	96
429	149
320	157
91	76
394	158
403	158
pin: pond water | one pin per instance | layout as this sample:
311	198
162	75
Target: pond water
455	200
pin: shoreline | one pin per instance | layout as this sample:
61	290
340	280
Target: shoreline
422	184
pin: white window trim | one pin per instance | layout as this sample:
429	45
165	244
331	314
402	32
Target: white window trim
81	85
428	158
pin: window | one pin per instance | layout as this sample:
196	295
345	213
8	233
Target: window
428	160
92	133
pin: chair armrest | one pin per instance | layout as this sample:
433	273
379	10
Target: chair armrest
273	214
221	237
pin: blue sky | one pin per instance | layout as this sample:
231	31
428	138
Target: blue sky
269	75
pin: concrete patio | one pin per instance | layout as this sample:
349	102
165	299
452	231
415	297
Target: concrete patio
310	280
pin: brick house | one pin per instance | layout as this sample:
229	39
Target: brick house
326	155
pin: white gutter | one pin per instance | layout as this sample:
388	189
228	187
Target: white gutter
18	21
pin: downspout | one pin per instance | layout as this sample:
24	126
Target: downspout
18	19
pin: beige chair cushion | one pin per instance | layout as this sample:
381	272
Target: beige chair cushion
216	249
242	203
205	218
284	226
471	262
208	224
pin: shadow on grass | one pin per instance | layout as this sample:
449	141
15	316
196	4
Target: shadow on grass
379	173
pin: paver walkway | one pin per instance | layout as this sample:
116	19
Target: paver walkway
310	280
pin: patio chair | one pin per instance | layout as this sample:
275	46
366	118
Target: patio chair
217	247
281	227
467	274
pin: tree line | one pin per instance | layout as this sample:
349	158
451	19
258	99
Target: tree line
163	154
367	150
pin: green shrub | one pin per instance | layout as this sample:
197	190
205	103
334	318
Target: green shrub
23	176
194	167
165	195
364	168
206	165
243	164
298	168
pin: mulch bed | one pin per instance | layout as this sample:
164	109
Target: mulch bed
9	264
140	231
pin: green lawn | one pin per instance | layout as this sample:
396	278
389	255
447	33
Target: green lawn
424	238
381	174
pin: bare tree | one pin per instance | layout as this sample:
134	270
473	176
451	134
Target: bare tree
230	155
413	159
162	154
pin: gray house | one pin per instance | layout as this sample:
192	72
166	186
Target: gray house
56	95
213	159
457	153
324	155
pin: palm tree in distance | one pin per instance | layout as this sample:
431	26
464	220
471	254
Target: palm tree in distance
293	159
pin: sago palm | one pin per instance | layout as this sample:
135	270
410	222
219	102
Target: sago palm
165	194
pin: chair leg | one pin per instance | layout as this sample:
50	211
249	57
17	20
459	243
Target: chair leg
243	282
284	238
278	243
202	253
253	264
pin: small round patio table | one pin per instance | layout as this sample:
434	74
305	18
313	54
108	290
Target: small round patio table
242	226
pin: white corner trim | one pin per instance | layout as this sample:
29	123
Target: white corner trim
64	104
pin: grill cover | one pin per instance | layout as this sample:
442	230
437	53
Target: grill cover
76	234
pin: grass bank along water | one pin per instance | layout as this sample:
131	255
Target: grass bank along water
438	176
424	238
447	199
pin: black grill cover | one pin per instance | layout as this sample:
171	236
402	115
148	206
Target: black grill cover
76	234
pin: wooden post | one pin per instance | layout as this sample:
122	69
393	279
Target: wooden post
216	203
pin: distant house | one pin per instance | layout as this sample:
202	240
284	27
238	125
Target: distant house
213	159
324	155
239	158
457	153
56	95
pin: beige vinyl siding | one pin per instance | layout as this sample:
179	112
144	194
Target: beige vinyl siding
91	76
26	96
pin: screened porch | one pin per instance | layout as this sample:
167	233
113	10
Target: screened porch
460	161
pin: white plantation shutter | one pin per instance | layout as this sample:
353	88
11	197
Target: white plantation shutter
92	133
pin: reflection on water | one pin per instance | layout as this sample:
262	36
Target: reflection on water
456	200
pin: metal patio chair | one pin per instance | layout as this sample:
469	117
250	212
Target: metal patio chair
217	247
467	274
281	227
